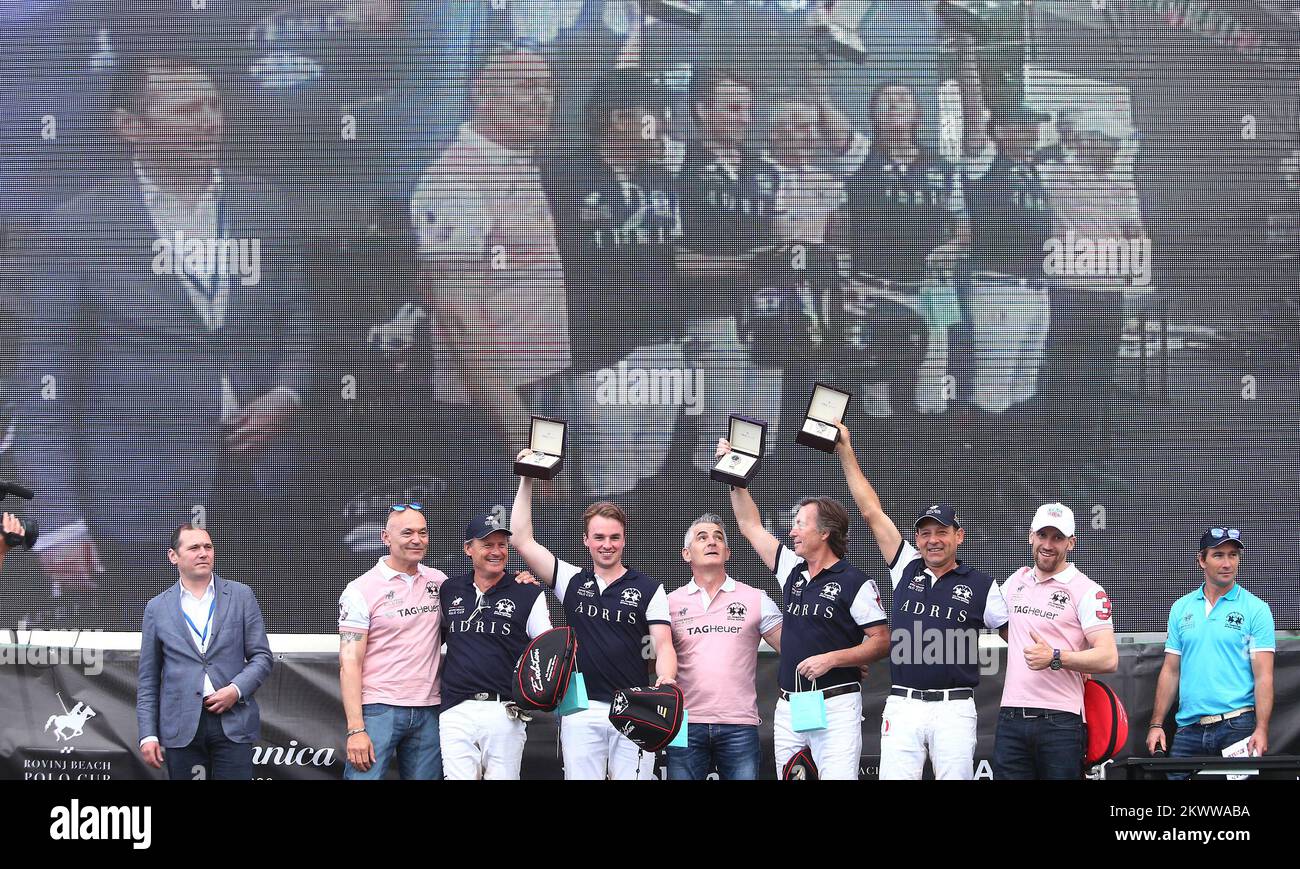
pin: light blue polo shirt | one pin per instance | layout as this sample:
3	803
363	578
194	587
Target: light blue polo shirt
1215	675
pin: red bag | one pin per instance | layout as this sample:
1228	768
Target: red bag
1107	727
542	674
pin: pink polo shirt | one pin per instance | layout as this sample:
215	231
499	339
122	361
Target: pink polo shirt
480	207
402	620
1063	610
717	649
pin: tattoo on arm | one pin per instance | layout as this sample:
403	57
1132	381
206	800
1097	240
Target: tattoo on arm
348	637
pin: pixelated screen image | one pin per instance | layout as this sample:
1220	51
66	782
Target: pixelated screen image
272	267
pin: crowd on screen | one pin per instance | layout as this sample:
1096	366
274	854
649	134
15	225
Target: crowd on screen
553	199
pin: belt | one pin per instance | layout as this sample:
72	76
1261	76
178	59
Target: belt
1227	716
827	693
933	696
1031	712
489	696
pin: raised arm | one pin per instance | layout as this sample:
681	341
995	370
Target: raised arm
887	535
749	520
538	558
974	110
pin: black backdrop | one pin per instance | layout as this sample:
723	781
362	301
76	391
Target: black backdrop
302	720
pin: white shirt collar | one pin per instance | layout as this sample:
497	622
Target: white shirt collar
389	574
207	593
155	195
728	584
1063	577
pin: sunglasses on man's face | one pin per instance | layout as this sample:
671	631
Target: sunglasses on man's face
398	508
1229	533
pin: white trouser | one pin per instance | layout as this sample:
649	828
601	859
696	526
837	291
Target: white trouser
480	741
943	728
731	382
626	414
931	377
836	749
1009	325
592	748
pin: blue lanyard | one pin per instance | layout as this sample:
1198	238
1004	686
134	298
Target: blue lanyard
207	624
222	236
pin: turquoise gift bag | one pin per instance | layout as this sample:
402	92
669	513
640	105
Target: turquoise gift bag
807	708
575	696
680	740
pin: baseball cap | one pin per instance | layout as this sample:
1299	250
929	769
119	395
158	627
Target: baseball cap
481	526
1056	516
1018	113
1215	536
944	514
1108	124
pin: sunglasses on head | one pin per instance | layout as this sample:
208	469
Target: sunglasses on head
398	508
1230	533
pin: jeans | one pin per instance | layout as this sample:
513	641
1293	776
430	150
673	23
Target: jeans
410	732
730	748
1208	740
1049	747
210	755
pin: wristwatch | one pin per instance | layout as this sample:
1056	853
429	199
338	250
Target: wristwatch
1056	659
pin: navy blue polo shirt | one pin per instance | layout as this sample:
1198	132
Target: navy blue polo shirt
1011	219
486	634
612	625
935	639
820	614
725	212
616	238
899	213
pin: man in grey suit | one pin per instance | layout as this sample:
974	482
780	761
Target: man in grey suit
201	633
170	345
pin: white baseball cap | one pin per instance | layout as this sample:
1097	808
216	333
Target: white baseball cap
1109	124
1056	516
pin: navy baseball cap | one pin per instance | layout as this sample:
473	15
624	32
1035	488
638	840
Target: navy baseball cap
1216	536
944	514
481	526
1018	113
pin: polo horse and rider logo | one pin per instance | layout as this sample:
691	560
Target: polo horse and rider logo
69	725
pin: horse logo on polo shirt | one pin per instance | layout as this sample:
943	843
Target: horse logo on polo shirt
505	608
963	593
431	589
831	590
1235	620
737	611
630	597
1060	599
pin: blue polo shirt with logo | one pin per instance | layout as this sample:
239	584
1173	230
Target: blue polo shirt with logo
612	624
820	614
1215	675
486	634
937	620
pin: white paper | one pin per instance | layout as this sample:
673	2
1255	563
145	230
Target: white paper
1240	748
